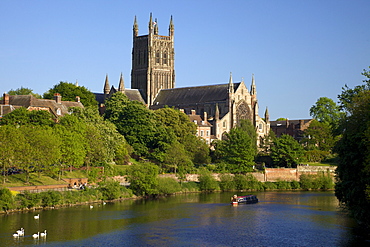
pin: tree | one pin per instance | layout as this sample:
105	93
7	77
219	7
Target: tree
319	136
148	137
353	172
237	150
177	161
143	179
22	116
326	111
24	91
69	91
286	152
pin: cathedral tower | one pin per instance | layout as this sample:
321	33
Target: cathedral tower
153	61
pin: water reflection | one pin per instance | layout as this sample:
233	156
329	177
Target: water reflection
279	219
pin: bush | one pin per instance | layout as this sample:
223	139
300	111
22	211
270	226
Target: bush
207	182
247	182
28	200
269	186
227	182
190	187
168	186
6	199
110	190
295	185
322	181
50	198
283	185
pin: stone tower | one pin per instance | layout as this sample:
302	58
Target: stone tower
153	61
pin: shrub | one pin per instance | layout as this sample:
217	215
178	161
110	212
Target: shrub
295	185
207	182
227	182
110	189
28	200
306	181
168	186
189	186
247	182
283	185
50	198
6	199
269	186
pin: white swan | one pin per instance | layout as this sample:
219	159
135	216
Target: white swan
16	235
91	206
36	217
36	235
20	232
104	203
43	234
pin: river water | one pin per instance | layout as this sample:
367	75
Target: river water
279	219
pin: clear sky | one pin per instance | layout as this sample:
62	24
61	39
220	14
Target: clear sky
297	50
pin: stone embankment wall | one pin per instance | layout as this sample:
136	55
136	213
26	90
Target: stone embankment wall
271	174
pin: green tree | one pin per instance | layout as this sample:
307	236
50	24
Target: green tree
22	116
148	137
206	181
6	199
286	152
177	161
24	91
69	91
353	172
143	179
237	150
326	111
319	136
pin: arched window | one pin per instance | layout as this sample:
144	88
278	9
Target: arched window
157	57
165	58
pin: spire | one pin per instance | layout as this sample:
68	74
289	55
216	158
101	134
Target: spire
150	24
231	84
106	85
171	28
121	86
267	115
217	113
76	84
253	87
156	27
135	28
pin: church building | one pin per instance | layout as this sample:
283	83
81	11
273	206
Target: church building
153	82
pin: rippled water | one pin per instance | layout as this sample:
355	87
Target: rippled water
279	219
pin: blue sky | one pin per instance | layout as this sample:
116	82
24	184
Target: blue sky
297	50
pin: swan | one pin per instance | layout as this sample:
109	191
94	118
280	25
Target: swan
91	206
36	235
43	234
36	216
20	232
104	203
16	235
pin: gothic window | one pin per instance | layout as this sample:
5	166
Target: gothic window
157	57
243	112
165	58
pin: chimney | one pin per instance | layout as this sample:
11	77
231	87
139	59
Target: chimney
205	116
6	99
78	99
192	112
182	110
58	98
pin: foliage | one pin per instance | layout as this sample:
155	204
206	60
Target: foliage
283	185
353	172
50	198
148	137
227	182
247	182
6	199
286	151
176	160
23	91
281	119
237	150
69	91
22	116
316	155
269	186
28	200
110	189
323	181
189	187
168	186
206	181
319	136
326	111
143	179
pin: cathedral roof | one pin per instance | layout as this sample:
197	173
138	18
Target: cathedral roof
193	95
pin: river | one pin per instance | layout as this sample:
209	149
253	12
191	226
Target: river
279	219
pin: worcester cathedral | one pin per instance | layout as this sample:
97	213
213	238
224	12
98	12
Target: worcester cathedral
220	106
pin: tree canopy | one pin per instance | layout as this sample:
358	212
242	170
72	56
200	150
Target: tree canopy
353	172
326	111
286	152
69	91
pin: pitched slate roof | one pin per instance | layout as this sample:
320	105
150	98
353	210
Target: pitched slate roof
193	95
132	94
29	101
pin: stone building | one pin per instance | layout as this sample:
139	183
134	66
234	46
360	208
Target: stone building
294	128
153	77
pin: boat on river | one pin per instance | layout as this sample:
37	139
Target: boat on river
249	199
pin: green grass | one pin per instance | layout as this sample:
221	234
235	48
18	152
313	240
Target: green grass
321	164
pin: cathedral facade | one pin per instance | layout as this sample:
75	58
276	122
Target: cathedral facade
153	82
